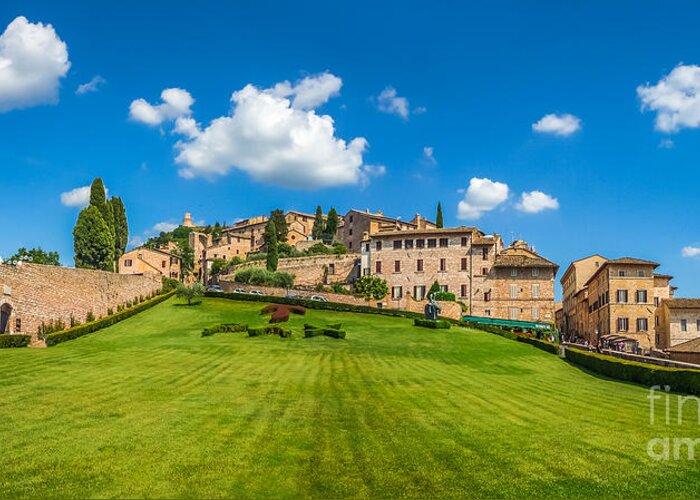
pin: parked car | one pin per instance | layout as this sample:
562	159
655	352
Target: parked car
319	298
256	292
239	290
291	296
215	289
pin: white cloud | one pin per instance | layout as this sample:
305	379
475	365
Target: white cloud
78	197
311	92
187	126
561	125
428	157
690	251
33	59
675	98
164	227
536	201
176	103
273	142
136	241
91	86
389	102
481	196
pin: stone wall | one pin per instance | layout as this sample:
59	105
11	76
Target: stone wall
40	294
310	271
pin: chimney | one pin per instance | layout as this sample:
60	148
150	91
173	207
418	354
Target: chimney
380	212
418	221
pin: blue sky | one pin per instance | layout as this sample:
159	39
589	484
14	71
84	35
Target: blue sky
467	80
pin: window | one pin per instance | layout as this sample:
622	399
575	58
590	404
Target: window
463	265
419	265
622	296
378	245
623	324
365	271
397	266
641	296
641	274
397	244
697	325
463	290
487	312
18	325
351	219
464	241
444	288
642	324
443	264
684	325
487	296
350	245
514	272
331	268
379	267
485	253
163	264
420	243
513	313
621	274
656	301
656	321
419	292
535	314
535	291
127	263
349	232
408	244
535	271
396	292
513	291
484	270
444	242
432	243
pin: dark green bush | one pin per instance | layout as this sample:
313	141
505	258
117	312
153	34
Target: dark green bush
446	296
679	379
333	331
540	344
224	328
7	340
79	331
269	330
429	323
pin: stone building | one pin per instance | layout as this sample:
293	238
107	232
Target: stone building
145	260
621	299
34	294
575	297
356	223
677	322
299	226
511	283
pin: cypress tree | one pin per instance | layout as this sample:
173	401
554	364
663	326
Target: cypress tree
317	229
98	199
121	226
271	246
277	216
434	288
93	243
331	226
438	218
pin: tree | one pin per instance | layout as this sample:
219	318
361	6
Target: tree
186	254
277	216
317	229
283	280
438	218
121	226
271	245
36	256
371	287
331	226
98	199
435	288
190	292
93	243
217	266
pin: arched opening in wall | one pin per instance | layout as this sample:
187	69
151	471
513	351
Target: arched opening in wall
5	311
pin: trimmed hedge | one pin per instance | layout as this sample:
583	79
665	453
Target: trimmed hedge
333	331
679	379
540	344
440	324
7	340
269	330
80	330
224	328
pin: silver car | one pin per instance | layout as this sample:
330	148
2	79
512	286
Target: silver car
319	298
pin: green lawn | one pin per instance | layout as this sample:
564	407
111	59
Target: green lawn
149	408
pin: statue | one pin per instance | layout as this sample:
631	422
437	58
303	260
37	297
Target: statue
432	309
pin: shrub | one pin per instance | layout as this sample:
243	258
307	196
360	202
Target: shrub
78	331
440	324
446	296
72	321
339	288
333	331
110	311
280	312
371	287
260	276
120	308
269	330
679	379
52	326
169	284
89	317
190	292
7	340
224	328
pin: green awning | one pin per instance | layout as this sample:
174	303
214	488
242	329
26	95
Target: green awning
528	325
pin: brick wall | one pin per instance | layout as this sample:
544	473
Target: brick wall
39	293
309	271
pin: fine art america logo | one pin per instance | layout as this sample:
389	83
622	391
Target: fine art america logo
667	448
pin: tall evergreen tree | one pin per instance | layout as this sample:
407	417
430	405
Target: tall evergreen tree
317	229
271	246
438	218
121	226
331	226
277	216
98	199
93	243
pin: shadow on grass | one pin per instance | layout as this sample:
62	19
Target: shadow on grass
188	305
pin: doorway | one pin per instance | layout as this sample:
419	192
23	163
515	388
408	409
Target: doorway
5	312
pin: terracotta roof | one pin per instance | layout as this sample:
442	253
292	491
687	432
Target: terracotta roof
533	260
157	250
484	240
427	231
689	346
682	303
378	217
632	260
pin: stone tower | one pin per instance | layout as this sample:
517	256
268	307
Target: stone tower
187	220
